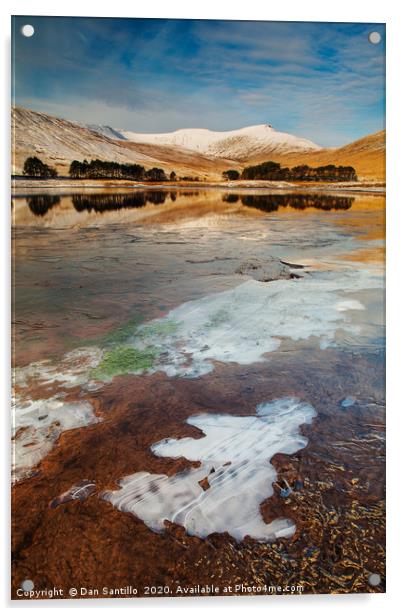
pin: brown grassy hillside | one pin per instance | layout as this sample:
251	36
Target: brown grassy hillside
57	142
366	155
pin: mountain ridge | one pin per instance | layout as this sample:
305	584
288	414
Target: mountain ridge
57	142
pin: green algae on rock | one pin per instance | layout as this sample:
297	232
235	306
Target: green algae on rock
124	360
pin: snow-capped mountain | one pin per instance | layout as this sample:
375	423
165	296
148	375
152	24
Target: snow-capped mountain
241	144
57	142
188	152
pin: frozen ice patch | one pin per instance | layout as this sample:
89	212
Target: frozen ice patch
242	324
225	492
238	326
349	304
72	370
37	425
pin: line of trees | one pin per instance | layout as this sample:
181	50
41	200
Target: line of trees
303	173
35	168
102	169
98	169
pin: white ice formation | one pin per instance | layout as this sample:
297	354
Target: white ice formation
242	324
235	472
37	425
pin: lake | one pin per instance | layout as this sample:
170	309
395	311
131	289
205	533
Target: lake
199	386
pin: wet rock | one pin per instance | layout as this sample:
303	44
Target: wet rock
265	271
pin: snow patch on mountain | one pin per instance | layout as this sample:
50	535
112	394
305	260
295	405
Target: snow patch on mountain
236	144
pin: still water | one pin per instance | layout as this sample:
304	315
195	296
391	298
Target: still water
255	307
87	263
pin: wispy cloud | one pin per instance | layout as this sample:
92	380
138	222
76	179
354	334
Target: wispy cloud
321	81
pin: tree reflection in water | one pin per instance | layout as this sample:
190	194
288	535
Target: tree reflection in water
41	204
271	203
103	203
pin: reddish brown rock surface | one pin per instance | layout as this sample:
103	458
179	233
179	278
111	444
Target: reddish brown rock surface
337	500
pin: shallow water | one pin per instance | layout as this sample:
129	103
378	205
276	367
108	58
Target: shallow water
80	273
206	287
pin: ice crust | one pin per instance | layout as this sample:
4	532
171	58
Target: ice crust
235	454
71	371
38	423
37	426
243	324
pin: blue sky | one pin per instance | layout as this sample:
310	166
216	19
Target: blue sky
316	80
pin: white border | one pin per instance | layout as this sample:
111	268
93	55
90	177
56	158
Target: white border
293	10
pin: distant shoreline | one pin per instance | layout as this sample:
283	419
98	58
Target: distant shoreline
20	183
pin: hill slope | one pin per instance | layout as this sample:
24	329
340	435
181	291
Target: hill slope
366	155
57	142
189	152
